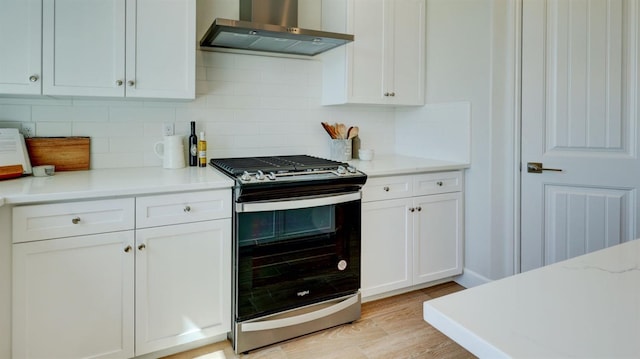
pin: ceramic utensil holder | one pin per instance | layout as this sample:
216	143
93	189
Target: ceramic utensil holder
340	149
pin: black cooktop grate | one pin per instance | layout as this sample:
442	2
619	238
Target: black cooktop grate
278	164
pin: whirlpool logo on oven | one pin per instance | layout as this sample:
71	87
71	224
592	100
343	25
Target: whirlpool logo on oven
303	293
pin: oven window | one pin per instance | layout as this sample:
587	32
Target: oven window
265	227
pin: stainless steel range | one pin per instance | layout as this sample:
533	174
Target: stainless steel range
296	251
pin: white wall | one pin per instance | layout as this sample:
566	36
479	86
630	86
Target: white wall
470	60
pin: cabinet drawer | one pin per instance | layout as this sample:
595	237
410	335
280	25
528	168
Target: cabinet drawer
441	182
46	221
381	188
178	208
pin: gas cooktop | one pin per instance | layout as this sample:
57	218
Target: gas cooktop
283	168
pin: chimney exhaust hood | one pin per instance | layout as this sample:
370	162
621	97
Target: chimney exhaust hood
270	26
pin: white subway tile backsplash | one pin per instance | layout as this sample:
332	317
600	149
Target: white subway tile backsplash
117	160
99	145
145	114
53	129
19	113
91	129
247	105
127	129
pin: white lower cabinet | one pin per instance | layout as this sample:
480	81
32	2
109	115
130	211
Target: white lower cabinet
73	297
412	230
387	236
181	271
78	293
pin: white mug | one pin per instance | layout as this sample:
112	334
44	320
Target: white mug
171	151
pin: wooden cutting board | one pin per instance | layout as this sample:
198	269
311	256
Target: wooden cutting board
66	153
12	171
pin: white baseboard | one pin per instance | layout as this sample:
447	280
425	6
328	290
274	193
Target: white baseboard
470	279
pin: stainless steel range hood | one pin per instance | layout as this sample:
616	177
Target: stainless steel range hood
270	26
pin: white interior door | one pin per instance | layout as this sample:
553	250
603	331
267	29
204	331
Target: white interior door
580	115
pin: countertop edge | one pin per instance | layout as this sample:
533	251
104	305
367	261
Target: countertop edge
103	183
461	335
393	164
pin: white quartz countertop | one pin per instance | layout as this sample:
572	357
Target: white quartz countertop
384	165
110	182
585	307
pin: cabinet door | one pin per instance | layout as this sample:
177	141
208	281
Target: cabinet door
438	237
183	283
73	297
161	47
20	41
367	54
387	230
83	47
406	56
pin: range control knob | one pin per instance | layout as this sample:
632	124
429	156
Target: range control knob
341	170
351	169
260	175
271	176
245	176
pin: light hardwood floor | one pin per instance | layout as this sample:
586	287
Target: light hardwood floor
388	328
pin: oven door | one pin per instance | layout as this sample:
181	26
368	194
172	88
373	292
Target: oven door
294	253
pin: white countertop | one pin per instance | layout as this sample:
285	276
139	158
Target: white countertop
384	165
98	183
109	182
585	307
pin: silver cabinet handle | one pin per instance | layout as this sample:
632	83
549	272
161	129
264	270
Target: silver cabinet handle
419	208
75	220
392	94
119	82
536	167
142	246
187	209
385	188
439	183
130	83
127	249
412	209
33	78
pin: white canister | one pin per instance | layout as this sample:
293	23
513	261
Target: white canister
171	151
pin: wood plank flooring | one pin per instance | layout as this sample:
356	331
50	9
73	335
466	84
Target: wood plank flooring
388	328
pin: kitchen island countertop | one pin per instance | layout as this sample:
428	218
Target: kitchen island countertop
585	307
387	164
73	185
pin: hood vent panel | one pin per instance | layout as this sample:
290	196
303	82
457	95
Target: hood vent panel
270	37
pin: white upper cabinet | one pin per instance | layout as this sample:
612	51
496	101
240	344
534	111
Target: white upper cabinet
83	47
386	62
161	51
20	54
118	48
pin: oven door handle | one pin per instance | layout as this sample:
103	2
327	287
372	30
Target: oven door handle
297	204
299	319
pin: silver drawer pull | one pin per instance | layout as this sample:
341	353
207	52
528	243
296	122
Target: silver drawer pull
385	188
419	208
127	249
187	209
439	183
412	209
75	220
142	246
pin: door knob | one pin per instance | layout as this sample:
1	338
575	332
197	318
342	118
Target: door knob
536	167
